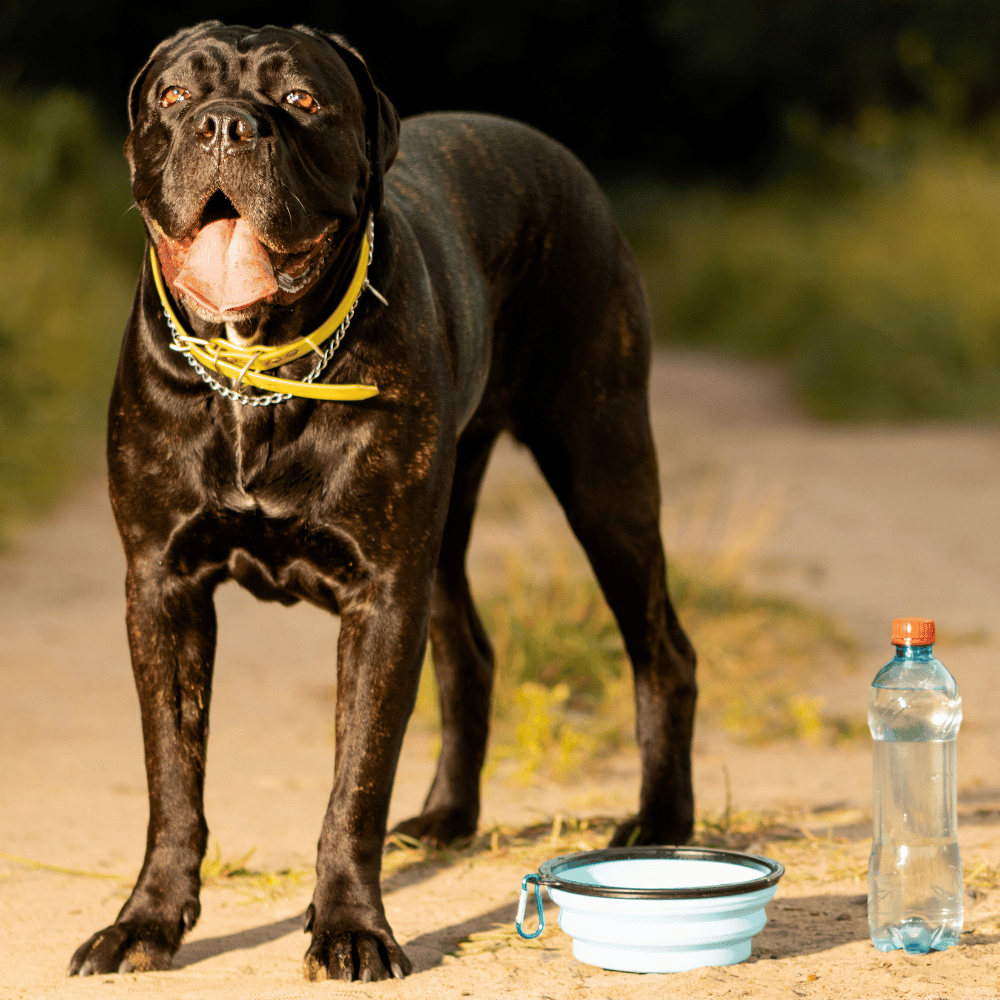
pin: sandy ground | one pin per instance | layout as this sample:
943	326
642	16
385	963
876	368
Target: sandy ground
866	523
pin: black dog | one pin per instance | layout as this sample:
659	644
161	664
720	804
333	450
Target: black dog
499	297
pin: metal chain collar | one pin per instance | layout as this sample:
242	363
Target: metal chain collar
271	398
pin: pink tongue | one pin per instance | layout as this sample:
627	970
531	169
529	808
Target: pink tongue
226	268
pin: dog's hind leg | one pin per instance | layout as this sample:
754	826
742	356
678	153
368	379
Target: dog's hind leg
595	448
463	663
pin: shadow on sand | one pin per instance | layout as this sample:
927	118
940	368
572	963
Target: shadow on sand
796	926
193	952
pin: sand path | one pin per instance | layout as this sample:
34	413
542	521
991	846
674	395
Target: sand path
866	523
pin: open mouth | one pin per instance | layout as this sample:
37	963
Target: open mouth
217	207
225	268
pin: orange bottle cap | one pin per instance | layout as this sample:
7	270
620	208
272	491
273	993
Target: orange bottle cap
912	631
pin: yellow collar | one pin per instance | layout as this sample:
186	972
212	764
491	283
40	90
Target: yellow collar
245	364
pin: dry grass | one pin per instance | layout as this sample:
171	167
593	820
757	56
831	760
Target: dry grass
255	885
527	846
812	847
981	875
35	865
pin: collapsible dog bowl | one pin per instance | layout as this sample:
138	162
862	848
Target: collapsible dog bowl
656	909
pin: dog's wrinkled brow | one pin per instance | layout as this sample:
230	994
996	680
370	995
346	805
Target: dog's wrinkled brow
273	66
211	58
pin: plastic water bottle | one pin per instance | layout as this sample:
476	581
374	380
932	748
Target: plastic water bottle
915	872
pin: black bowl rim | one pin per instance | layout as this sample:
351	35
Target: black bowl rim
551	872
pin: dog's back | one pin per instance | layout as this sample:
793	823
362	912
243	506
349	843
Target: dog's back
535	268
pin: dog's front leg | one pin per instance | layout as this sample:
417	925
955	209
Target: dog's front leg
381	648
171	629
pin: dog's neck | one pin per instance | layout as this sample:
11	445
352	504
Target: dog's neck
250	429
234	336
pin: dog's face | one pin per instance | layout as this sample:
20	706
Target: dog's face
254	154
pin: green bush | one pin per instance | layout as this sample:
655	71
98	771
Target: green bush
880	291
69	257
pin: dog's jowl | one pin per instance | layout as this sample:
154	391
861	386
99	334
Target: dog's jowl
337	316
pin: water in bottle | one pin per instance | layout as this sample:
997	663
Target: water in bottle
915	872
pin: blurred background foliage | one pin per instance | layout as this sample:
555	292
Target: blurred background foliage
811	181
879	290
68	262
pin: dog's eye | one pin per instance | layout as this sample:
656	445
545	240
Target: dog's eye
302	100
172	95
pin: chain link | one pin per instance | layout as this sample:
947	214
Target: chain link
271	398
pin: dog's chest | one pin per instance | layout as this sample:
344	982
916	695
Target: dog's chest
280	462
277	559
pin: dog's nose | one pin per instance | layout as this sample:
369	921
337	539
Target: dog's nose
224	128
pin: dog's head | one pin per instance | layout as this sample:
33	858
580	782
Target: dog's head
254	155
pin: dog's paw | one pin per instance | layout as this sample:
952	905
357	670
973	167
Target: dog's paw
640	831
125	947
439	827
351	955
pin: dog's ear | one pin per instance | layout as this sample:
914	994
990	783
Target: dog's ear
381	120
135	91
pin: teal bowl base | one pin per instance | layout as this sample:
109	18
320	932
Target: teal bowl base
621	958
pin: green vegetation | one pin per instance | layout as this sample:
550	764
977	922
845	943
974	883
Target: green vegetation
563	694
68	259
870	269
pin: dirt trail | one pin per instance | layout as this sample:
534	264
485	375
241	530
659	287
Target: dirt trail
866	523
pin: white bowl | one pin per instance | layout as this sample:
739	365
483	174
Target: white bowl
656	909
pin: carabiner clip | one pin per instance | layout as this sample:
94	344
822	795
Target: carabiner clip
522	905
